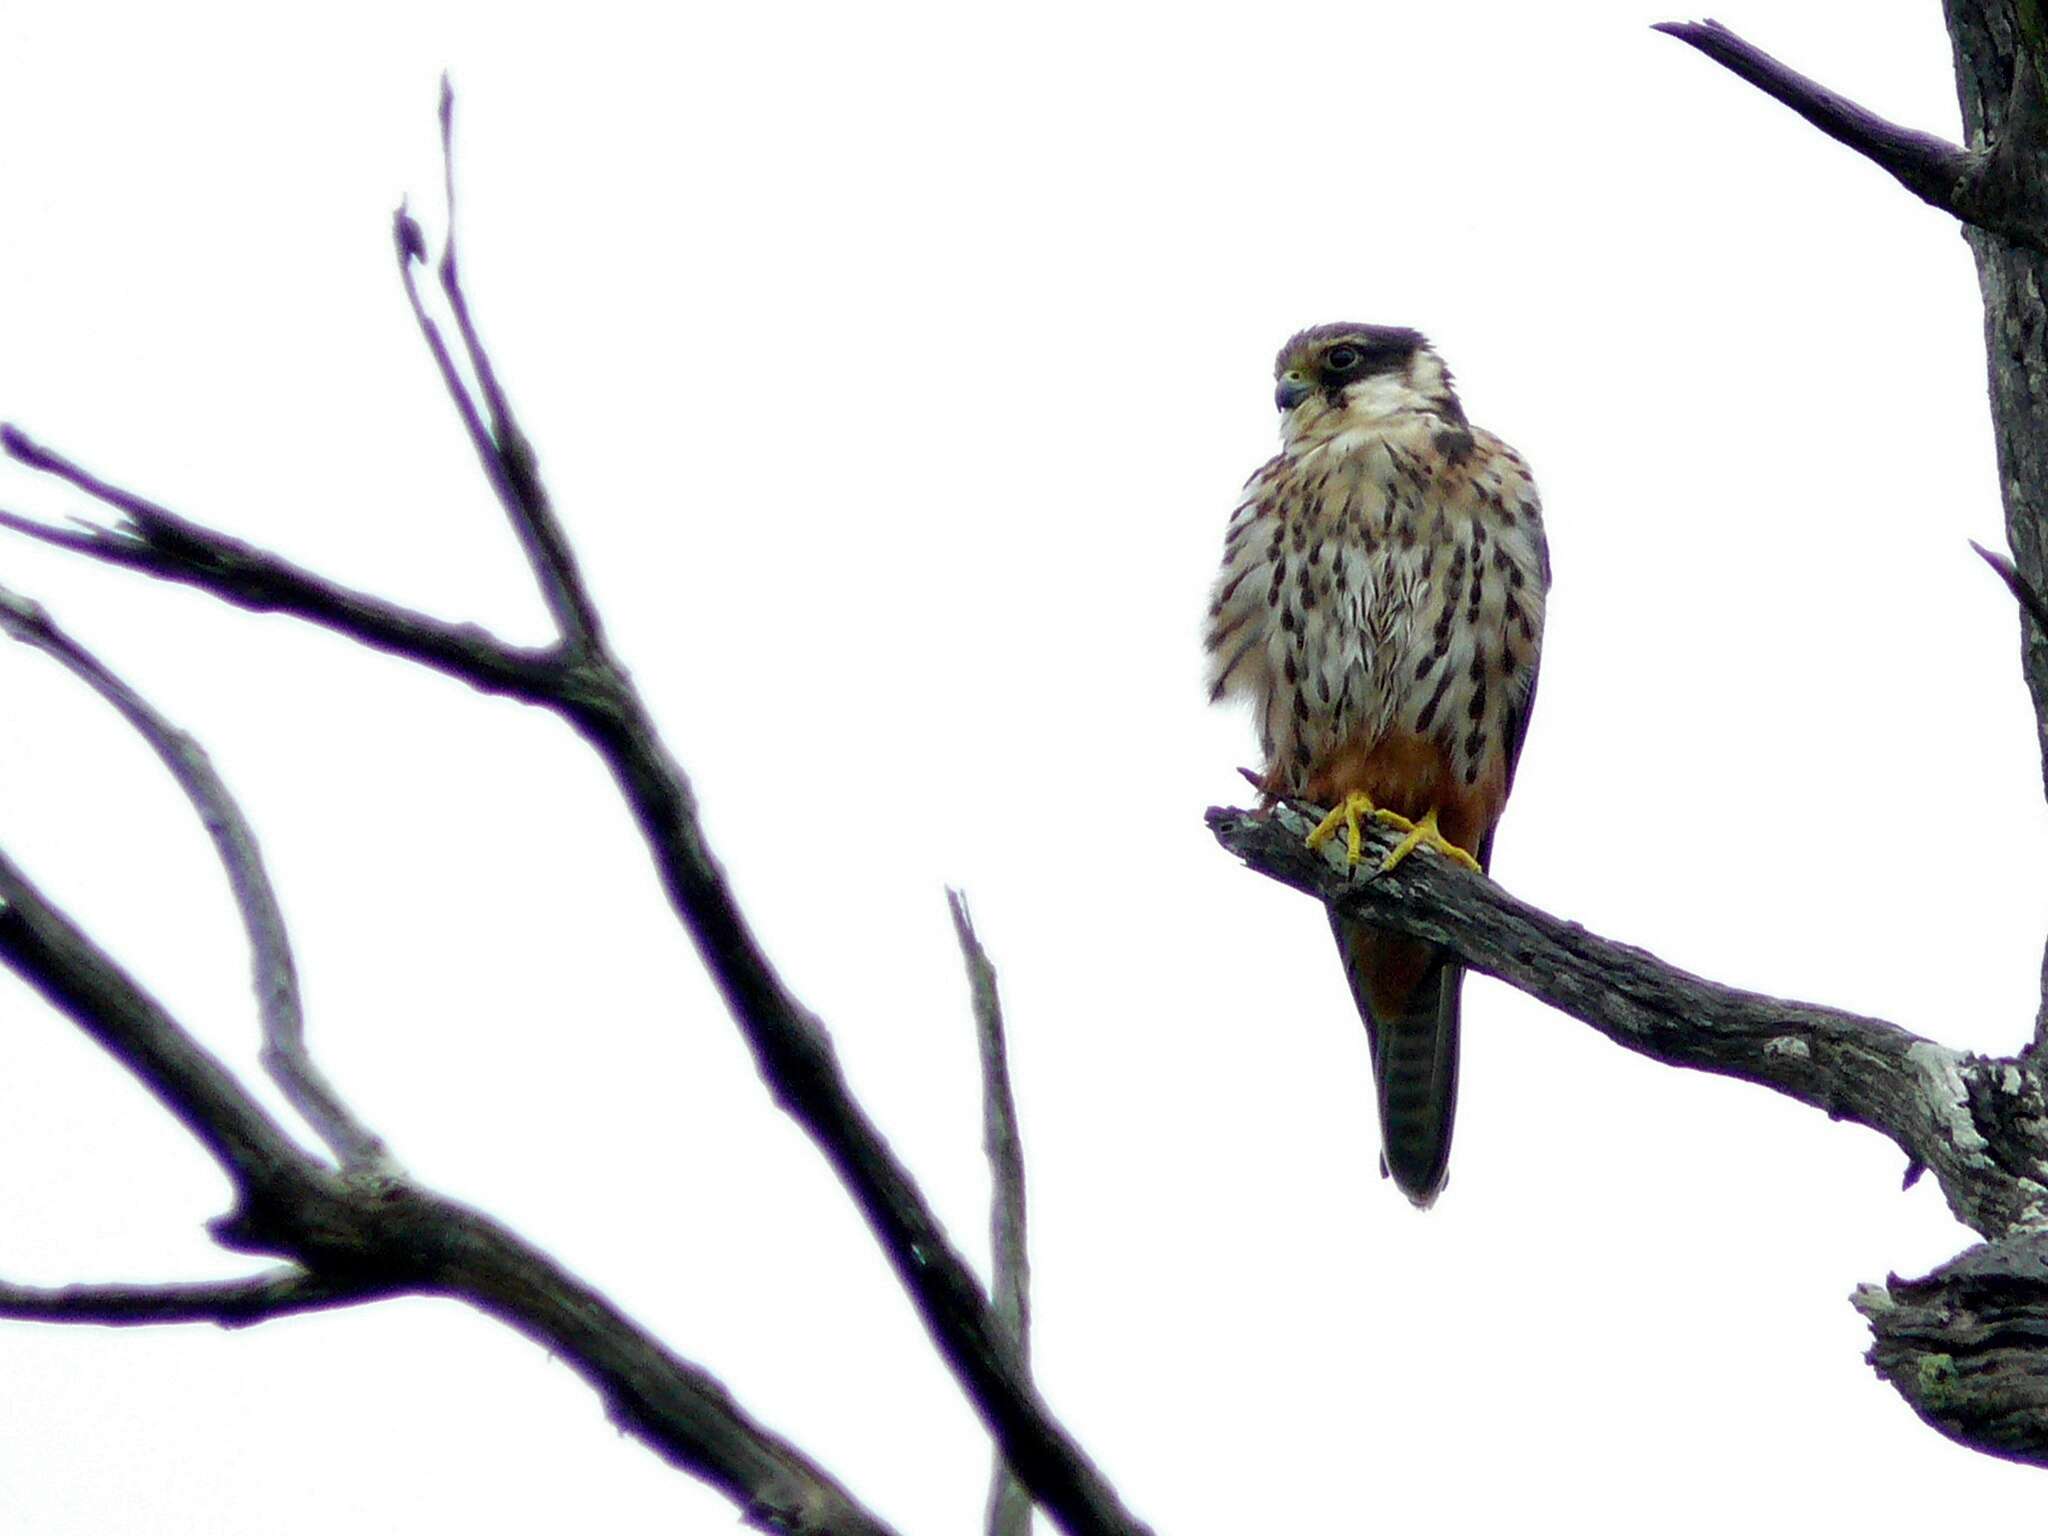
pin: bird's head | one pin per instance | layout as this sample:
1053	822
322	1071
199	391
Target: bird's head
1330	376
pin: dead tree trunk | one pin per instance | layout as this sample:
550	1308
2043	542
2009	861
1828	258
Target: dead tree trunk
1999	81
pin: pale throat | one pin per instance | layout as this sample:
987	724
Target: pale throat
1366	406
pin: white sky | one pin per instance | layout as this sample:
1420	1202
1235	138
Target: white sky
894	369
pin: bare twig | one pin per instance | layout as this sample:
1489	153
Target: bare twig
1009	1506
501	447
1977	1123
283	1292
533	515
491	453
275	977
1973	186
2035	605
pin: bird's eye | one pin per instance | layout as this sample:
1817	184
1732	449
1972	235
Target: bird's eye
1342	359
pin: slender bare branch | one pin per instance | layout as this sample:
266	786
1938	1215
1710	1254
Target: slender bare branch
171	548
524	495
1976	1122
412	246
1975	187
501	447
282	1292
1009	1506
82	981
274	975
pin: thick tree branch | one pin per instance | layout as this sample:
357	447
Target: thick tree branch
1998	85
1977	1122
678	1408
1963	1345
1927	166
1976	186
283	1292
1009	1506
275	976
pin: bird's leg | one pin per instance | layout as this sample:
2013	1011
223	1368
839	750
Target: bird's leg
1357	808
1425	834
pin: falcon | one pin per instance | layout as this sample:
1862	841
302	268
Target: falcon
1380	606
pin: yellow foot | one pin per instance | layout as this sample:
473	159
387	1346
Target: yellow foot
1424	834
1356	809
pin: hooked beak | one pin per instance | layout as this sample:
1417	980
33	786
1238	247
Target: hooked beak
1293	389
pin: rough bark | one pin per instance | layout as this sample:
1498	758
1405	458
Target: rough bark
1999	86
1964	1345
1977	1122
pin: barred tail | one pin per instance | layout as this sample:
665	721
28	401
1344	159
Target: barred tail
1407	993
